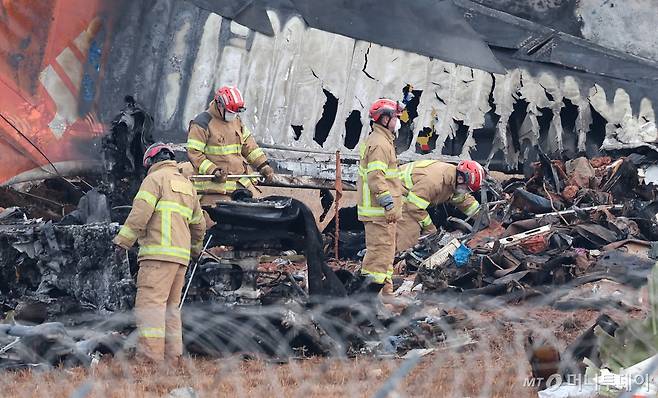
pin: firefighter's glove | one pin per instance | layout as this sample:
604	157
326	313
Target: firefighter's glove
393	215
119	243
121	254
385	200
220	176
268	172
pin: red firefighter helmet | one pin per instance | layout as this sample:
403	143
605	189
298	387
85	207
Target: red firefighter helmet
153	150
385	106
230	98
472	173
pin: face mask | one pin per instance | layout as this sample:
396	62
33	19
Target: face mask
229	117
462	189
398	125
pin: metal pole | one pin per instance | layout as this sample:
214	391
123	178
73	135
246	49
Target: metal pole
189	282
339	193
200	177
282	181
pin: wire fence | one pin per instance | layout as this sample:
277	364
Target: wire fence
439	346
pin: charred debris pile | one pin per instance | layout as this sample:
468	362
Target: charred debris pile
567	224
265	287
66	294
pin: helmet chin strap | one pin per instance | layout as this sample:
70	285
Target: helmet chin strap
220	109
388	126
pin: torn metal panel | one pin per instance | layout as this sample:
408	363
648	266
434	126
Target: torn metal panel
572	92
535	95
375	72
469	145
314	73
532	91
269	117
623	128
505	92
477	98
359	84
439	92
553	89
180	58
202	78
647	113
260	69
457	94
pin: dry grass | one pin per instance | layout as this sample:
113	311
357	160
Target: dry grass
495	367
318	377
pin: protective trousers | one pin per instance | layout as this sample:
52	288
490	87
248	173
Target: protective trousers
159	288
409	229
380	253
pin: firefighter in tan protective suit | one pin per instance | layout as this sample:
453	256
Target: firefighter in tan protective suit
219	144
429	183
167	221
379	193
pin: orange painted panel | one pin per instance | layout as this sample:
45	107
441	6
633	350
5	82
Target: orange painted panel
50	65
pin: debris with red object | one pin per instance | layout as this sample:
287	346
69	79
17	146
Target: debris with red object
494	231
569	193
607	207
580	172
535	244
600	161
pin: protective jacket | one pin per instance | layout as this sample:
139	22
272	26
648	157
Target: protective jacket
378	174
213	143
166	218
430	182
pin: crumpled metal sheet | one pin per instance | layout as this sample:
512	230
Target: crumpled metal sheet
596	234
580	172
277	219
49	344
47	270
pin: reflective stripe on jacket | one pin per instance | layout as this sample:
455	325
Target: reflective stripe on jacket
166	218
213	143
430	182
378	173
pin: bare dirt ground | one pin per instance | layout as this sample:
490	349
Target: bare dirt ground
496	366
